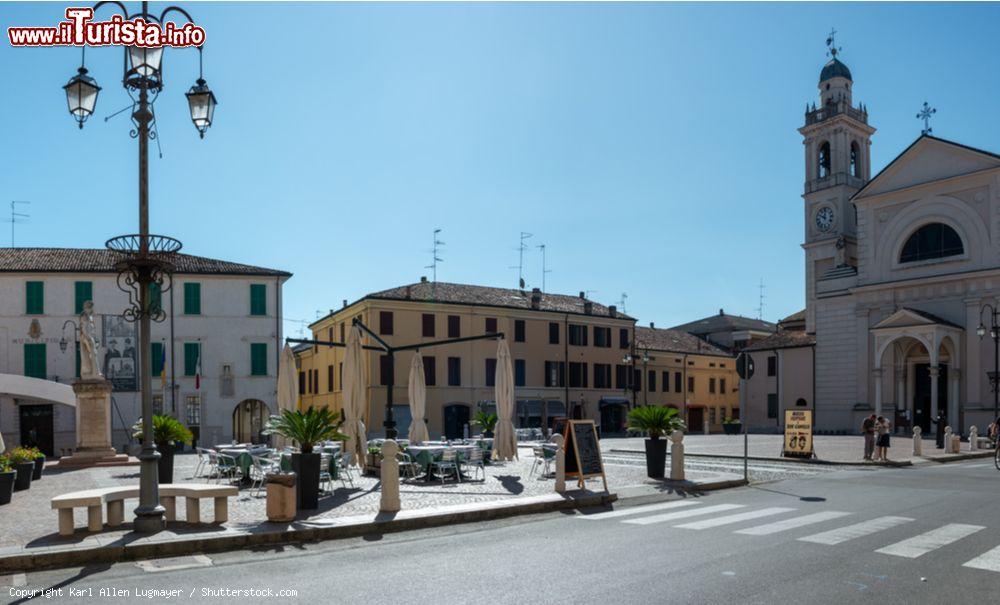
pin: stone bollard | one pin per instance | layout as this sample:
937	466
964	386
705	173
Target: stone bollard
947	439
705	427
390	477
956	444
677	456
973	438
918	445
560	463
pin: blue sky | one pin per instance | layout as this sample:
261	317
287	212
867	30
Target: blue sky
651	147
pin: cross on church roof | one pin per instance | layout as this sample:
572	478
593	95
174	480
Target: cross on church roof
831	44
925	114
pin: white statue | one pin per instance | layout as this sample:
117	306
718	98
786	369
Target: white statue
89	367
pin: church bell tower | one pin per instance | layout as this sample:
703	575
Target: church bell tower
837	140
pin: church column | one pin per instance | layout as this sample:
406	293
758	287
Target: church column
877	375
900	372
934	372
954	380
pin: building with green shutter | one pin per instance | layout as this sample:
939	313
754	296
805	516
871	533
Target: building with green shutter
214	358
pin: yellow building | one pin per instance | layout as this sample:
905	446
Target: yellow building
566	350
683	371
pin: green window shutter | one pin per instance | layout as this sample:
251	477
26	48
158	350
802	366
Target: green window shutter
34	298
258	299
34	360
156	358
83	291
192	299
156	298
258	359
191	352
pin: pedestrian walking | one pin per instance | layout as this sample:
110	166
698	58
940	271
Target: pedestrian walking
882	443
868	430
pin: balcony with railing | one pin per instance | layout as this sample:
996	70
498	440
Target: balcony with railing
837	178
824	113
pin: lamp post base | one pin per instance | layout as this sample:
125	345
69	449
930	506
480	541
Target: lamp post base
150	521
150	515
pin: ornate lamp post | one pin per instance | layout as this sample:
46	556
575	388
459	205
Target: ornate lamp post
144	259
994	330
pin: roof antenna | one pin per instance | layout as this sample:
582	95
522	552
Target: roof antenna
760	303
434	257
621	303
544	270
520	259
16	217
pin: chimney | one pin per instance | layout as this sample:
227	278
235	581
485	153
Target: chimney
583	294
721	312
423	280
588	307
613	311
345	303
652	326
407	292
536	299
536	290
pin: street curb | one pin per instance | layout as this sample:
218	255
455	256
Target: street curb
683	489
945	459
785	460
354	527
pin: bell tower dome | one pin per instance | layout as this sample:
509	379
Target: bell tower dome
837	140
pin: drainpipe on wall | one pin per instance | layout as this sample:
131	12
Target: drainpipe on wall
684	388
565	370
173	366
777	385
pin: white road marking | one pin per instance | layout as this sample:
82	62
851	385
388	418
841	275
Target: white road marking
990	561
636	510
850	532
932	540
718	508
787	524
738	517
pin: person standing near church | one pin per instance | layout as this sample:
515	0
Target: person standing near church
882	443
868	430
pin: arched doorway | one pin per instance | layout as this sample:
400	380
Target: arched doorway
249	418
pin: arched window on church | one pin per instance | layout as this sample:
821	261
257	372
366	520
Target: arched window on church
855	160
824	160
934	240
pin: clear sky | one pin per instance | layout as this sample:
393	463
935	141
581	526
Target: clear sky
651	147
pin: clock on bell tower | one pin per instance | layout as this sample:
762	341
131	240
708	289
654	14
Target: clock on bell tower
837	141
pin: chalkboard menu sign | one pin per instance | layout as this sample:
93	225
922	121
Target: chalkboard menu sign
583	452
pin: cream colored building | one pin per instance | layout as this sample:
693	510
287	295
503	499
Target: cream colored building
783	375
567	351
680	370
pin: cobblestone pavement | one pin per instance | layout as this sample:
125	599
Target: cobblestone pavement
831	448
29	519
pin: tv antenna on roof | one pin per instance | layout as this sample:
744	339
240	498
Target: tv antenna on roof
760	301
16	217
621	303
520	259
544	270
434	257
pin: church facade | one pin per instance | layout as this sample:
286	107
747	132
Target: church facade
898	268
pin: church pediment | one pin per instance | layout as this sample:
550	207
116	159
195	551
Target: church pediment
908	318
928	159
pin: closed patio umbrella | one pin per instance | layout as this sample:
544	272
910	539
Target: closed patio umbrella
418	396
504	439
354	397
3	448
288	388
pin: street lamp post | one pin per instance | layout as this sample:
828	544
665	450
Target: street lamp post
994	330
144	260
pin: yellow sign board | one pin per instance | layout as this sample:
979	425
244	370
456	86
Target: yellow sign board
798	433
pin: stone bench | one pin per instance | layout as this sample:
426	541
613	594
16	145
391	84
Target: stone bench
114	497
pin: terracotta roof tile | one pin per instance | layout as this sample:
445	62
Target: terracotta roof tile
786	339
675	341
96	260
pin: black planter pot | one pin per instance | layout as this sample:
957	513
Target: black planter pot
24	472
39	465
306	466
165	465
733	428
7	486
656	457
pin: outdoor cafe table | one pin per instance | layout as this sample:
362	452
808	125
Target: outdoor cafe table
244	456
425	455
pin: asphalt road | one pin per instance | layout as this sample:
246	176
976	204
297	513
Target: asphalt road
926	534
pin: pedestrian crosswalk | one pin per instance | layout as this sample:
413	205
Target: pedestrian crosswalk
696	515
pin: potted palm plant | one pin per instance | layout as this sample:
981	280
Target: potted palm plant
39	459
487	421
168	432
306	429
655	421
7	476
23	461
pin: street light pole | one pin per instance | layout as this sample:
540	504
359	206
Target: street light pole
145	260
995	335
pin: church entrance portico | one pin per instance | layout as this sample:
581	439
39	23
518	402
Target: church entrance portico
917	366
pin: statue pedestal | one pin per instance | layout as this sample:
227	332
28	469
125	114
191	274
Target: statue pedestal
93	427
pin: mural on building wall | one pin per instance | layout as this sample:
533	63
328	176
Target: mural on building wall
121	362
